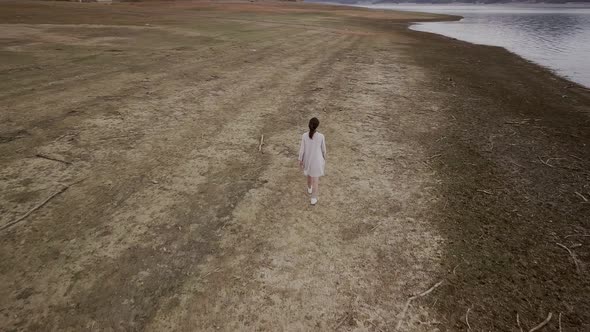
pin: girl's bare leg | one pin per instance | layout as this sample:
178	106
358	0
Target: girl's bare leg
315	189
309	182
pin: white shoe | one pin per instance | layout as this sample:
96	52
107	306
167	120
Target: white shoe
309	191
314	201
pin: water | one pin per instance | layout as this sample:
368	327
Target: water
557	37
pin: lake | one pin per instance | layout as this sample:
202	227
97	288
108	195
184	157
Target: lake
557	37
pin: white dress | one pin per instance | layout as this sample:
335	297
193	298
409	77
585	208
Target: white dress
313	154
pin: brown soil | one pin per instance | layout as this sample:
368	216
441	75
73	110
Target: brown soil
447	162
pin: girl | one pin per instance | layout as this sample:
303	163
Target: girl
312	158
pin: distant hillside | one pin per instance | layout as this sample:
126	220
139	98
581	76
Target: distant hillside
453	1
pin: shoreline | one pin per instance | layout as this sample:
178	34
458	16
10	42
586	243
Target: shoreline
495	145
458	18
447	161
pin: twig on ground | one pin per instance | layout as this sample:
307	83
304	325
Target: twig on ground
39	155
518	322
560	322
261	142
575	157
38	206
412	298
515	122
60	137
375	325
455	269
342	321
581	196
538	327
545	162
484	191
517	164
435	156
467	319
572	255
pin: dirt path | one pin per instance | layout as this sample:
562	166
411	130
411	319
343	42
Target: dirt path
174	220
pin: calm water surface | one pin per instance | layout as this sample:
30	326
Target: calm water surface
552	36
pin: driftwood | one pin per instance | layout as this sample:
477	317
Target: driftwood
467	319
546	162
435	156
518	123
412	298
261	143
39	155
23	217
538	327
375	326
581	196
582	235
517	164
34	209
484	191
342	320
572	255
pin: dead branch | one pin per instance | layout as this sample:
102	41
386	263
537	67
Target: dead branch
518	123
517	164
560	322
342	321
572	255
518	322
35	208
375	326
545	162
39	155
467	319
581	196
538	327
261	142
412	298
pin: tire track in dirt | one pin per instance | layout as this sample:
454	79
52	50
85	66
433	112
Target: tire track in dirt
284	266
207	208
65	92
168	317
131	113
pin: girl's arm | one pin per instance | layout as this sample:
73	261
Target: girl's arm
301	150
324	148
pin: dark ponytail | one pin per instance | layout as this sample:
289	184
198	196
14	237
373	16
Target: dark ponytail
313	125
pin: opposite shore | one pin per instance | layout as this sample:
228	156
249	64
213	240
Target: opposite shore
129	142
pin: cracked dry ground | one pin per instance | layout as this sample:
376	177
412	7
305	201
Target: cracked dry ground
173	220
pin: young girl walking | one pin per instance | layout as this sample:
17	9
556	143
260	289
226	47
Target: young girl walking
312	158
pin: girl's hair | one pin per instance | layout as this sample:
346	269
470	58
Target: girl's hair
313	125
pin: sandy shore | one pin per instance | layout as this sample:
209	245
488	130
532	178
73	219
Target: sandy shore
133	195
